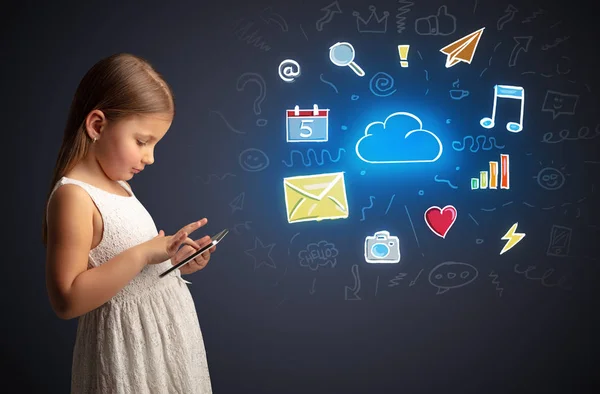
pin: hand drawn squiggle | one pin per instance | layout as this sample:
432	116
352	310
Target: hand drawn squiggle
582	134
435	178
475	143
363	209
582	199
306	160
382	85
328	83
229	126
400	19
495	281
220	178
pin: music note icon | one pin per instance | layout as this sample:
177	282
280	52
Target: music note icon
511	92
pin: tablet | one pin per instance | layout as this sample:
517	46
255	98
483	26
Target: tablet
215	239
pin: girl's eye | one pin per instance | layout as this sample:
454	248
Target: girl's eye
141	143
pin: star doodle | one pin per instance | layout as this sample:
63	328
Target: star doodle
261	254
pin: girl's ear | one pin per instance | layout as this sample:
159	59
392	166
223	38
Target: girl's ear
95	123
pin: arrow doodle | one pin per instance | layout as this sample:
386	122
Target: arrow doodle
330	11
509	15
351	293
522	45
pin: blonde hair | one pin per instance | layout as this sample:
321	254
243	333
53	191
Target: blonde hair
120	85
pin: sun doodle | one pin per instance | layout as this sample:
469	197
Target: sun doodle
551	178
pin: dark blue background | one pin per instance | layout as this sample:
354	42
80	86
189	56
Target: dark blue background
269	330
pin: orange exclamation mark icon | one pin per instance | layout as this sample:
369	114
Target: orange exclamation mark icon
403	51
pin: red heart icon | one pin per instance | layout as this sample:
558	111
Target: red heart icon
439	220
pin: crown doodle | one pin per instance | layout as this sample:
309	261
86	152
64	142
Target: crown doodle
372	25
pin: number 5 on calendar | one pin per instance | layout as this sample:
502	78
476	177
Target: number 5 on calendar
307	125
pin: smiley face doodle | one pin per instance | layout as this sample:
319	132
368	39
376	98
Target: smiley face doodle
451	275
550	178
253	160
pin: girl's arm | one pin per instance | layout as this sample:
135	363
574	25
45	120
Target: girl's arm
73	288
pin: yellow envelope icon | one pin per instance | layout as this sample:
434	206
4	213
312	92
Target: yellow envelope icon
315	197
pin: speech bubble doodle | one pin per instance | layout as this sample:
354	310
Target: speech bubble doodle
318	255
452	275
560	103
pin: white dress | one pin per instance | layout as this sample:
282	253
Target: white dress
147	338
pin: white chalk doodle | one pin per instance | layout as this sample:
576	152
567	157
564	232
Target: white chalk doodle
452	275
351	293
542	279
495	281
261	254
317	255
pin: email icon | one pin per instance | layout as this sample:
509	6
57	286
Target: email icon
315	197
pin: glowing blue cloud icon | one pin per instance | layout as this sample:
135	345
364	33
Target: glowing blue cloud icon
400	138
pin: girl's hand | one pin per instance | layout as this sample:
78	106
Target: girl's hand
162	247
199	261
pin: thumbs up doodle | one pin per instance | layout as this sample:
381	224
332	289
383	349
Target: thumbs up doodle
442	24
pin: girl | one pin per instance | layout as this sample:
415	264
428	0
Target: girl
137	333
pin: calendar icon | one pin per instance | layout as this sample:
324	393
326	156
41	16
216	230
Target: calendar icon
307	125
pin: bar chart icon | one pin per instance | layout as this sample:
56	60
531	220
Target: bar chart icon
489	179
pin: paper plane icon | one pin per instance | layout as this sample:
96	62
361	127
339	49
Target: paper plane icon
237	204
463	49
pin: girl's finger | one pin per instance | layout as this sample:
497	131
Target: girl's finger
203	241
190	228
181	239
190	242
175	241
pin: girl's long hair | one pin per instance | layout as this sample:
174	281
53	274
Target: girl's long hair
120	85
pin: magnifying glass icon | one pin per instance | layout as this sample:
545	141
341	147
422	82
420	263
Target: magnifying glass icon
342	54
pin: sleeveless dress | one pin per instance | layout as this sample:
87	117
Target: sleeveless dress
147	338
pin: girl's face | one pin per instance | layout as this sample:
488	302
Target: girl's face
127	146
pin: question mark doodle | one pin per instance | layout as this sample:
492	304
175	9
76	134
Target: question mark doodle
246	78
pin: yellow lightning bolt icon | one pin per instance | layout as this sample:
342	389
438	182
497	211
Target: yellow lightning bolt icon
512	238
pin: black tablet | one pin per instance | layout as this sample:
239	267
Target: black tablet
215	239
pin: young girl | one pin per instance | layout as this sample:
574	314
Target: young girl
137	333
